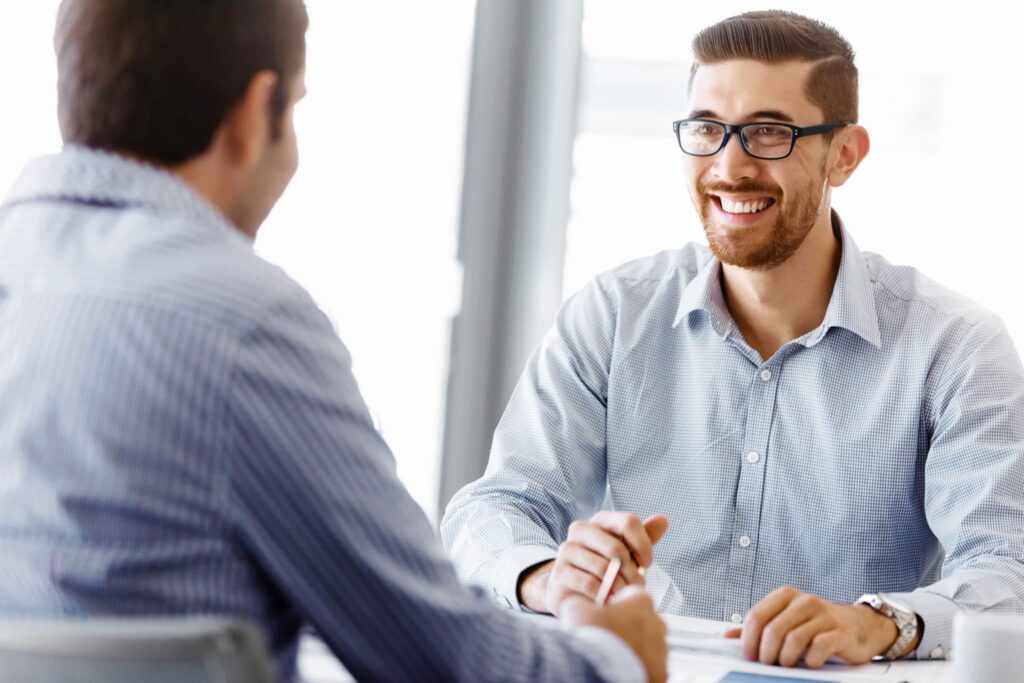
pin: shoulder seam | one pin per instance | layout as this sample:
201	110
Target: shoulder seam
924	302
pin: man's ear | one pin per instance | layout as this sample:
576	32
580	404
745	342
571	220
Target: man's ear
248	125
848	149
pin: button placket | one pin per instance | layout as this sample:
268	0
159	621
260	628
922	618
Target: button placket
750	487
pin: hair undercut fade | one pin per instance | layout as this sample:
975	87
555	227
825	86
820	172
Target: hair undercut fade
155	78
775	36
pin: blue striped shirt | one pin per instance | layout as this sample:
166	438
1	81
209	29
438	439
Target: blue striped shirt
880	452
181	434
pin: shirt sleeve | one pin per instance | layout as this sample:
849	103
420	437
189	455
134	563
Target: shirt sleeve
973	481
313	493
547	464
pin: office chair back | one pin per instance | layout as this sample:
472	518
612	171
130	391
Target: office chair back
158	650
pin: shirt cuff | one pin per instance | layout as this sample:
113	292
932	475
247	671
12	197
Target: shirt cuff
937	614
615	660
512	565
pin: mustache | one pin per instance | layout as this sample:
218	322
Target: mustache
741	188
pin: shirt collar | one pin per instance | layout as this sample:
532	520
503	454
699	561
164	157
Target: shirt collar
101	178
704	293
851	307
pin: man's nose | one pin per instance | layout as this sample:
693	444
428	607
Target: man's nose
732	163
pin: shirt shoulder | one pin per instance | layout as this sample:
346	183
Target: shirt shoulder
656	279
904	293
207	274
222	281
635	297
199	274
677	265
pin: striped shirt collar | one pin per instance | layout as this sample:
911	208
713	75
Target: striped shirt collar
852	306
101	178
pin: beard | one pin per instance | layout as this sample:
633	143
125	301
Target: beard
760	248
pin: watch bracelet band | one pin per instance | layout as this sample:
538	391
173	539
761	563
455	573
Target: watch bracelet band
906	624
906	634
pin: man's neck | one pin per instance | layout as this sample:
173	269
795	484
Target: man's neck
773	307
216	181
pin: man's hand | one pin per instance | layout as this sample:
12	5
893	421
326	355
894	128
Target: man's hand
584	557
630	615
789	625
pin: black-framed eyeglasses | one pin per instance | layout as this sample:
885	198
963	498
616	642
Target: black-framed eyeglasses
761	140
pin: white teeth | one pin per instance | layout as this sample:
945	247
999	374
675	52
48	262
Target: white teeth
744	207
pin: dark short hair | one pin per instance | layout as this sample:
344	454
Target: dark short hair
155	78
775	36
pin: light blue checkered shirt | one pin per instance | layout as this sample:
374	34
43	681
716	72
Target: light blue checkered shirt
180	433
880	452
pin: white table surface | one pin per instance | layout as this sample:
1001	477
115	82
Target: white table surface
689	661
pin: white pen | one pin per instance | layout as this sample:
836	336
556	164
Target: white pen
607	581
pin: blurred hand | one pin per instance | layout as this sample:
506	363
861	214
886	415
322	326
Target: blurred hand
630	615
789	625
578	569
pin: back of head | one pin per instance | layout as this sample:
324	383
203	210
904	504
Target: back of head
775	36
155	78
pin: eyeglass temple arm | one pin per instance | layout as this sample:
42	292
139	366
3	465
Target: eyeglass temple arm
821	128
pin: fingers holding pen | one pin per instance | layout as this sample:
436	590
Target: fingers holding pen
584	559
577	571
598	541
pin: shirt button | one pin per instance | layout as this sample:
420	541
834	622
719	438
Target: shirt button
753	457
744	541
937	653
766	375
737	618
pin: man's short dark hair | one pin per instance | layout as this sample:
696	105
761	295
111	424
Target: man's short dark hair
155	78
774	36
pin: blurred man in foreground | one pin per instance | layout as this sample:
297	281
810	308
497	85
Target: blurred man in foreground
181	431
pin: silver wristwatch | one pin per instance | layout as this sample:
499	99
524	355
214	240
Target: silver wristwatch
905	620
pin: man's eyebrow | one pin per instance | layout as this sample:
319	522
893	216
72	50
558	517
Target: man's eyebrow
772	114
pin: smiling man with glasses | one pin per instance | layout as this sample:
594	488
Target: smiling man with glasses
794	435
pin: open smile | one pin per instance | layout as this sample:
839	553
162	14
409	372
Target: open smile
738	206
